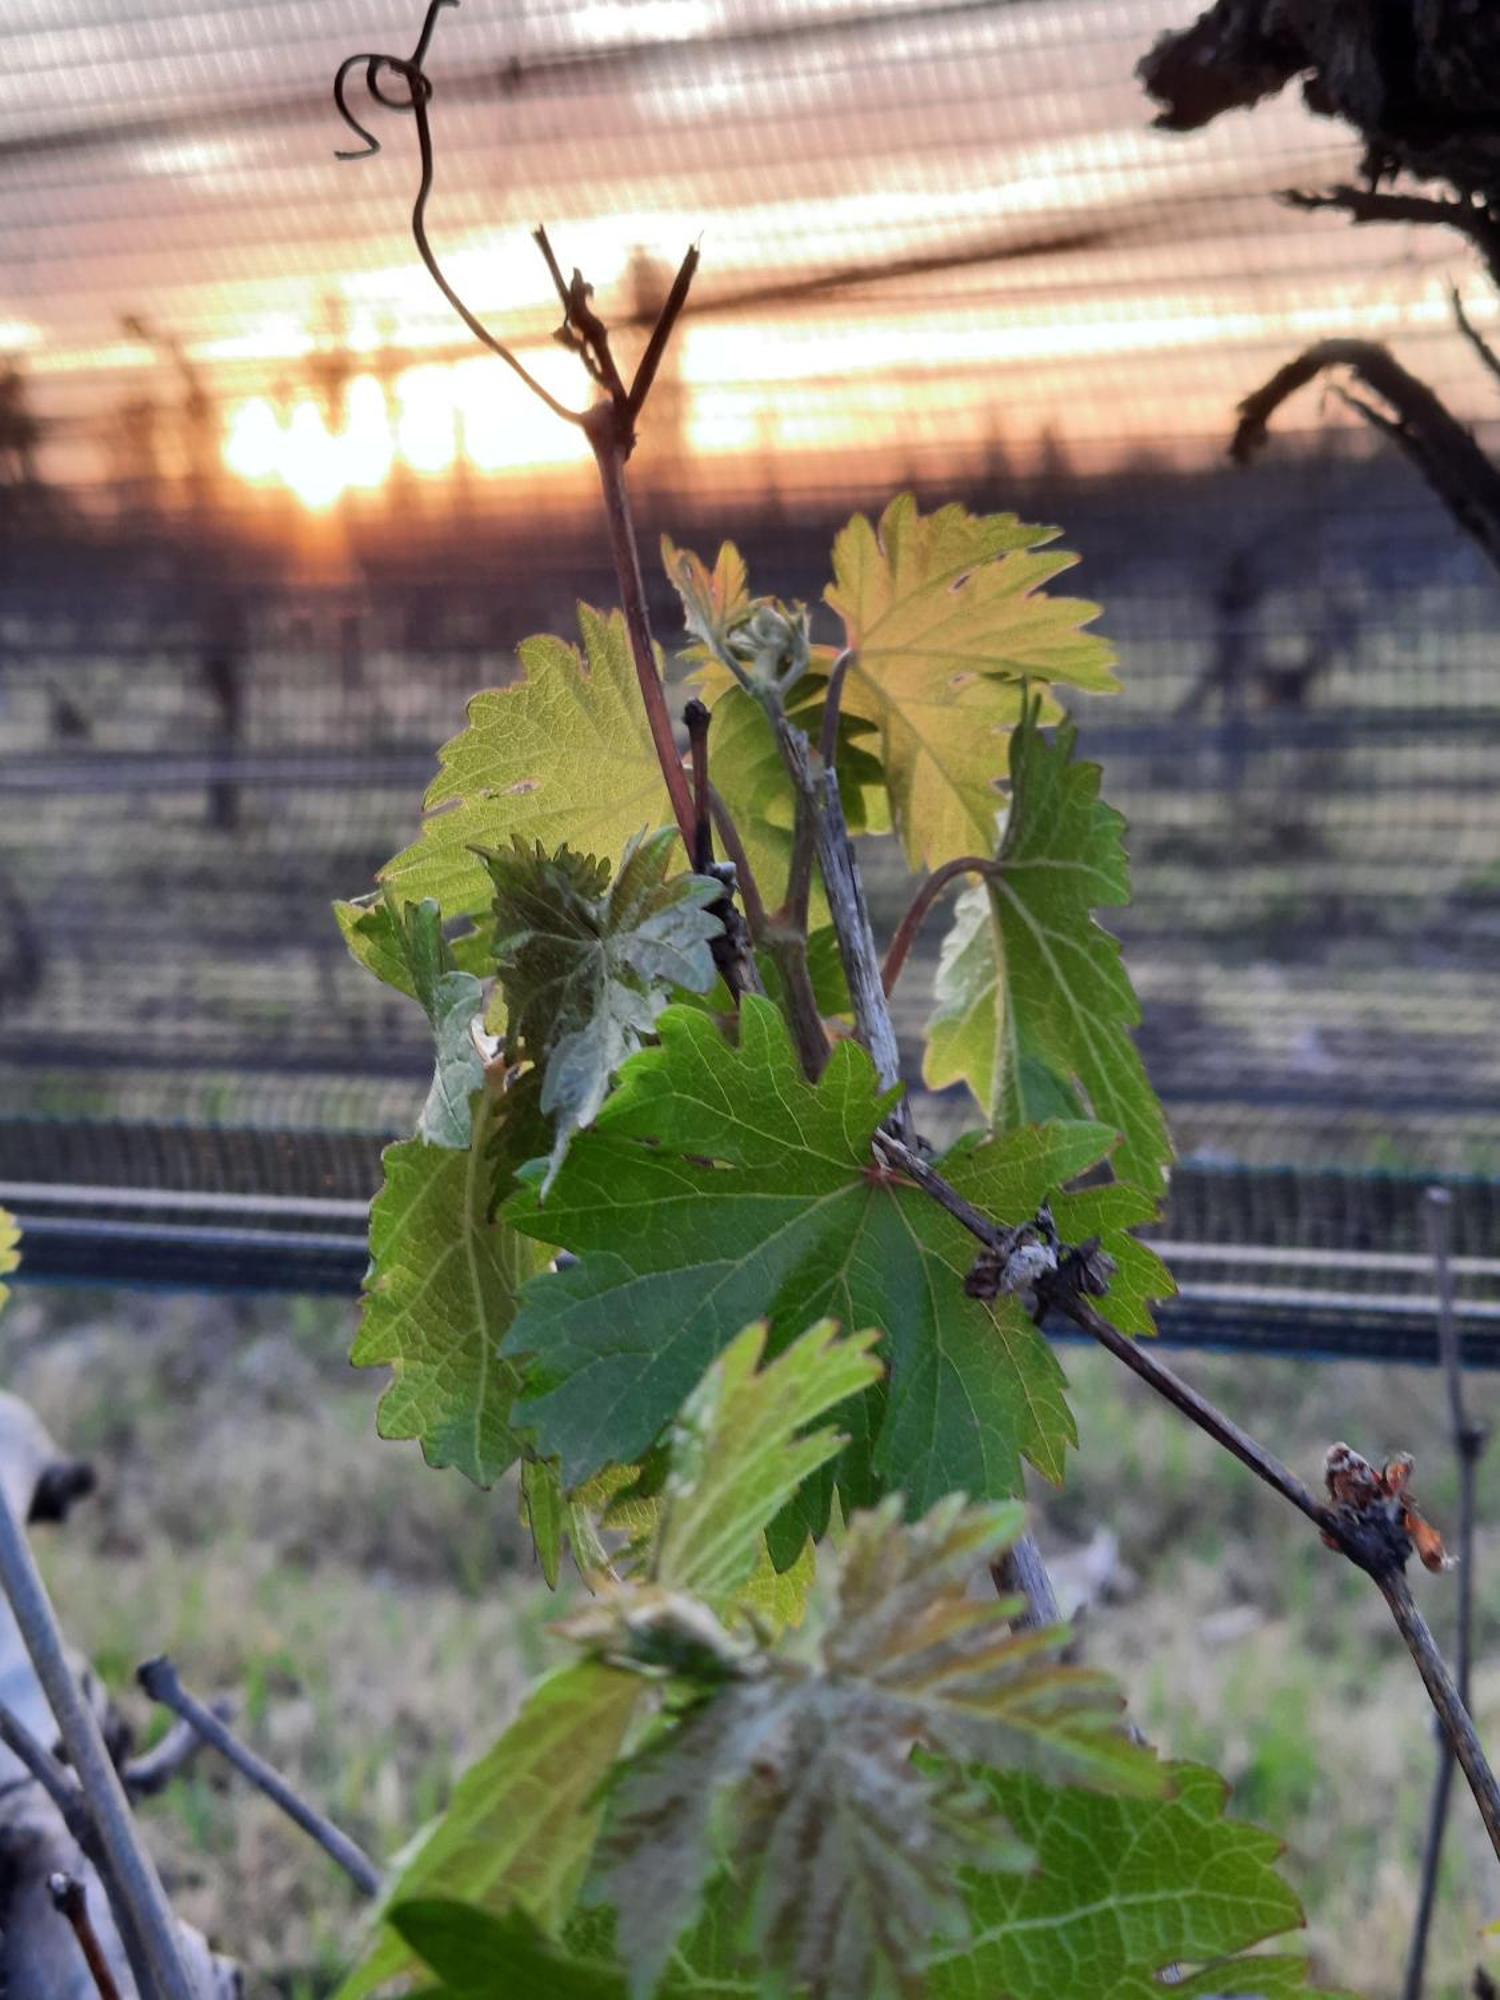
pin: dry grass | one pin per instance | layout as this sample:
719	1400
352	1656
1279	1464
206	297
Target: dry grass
378	1619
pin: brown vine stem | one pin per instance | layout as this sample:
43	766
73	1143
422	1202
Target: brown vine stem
1452	1713
817	792
1366	1548
419	93
71	1902
1469	1440
1367	1544
731	949
1022	1571
661	333
609	426
604	432
1266	1466
734	847
1488	358
921	904
1373	205
55	1779
696	720
1417	421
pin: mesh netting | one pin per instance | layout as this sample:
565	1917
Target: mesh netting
942	249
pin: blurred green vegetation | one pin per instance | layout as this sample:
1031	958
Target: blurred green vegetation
377	1621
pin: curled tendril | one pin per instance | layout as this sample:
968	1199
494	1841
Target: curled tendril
408	68
418	95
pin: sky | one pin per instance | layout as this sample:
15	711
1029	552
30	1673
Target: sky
173	160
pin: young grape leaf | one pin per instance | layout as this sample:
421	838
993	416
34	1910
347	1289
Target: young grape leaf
715	602
546	1512
946	619
440	1292
1129	1898
585	964
746	764
718	1186
845	1848
1034	1005
612	1502
522	1822
371	927
736	1456
564	754
403	944
731	1460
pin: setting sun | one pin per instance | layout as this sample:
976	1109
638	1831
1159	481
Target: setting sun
430	418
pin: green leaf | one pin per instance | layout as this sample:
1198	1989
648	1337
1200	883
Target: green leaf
845	1848
523	1820
564	754
586	964
1034	1005
440	1294
718	1186
1127	1899
947	623
1126	1896
484	1957
736	1456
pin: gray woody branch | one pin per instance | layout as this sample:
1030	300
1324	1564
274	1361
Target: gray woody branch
146	1923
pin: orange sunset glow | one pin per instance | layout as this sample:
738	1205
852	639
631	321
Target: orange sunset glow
919	238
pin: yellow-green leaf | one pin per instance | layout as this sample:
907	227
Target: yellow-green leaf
714	601
440	1295
948	622
738	1454
564	755
523	1821
10	1251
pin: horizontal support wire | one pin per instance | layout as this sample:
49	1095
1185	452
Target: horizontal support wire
219	1241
